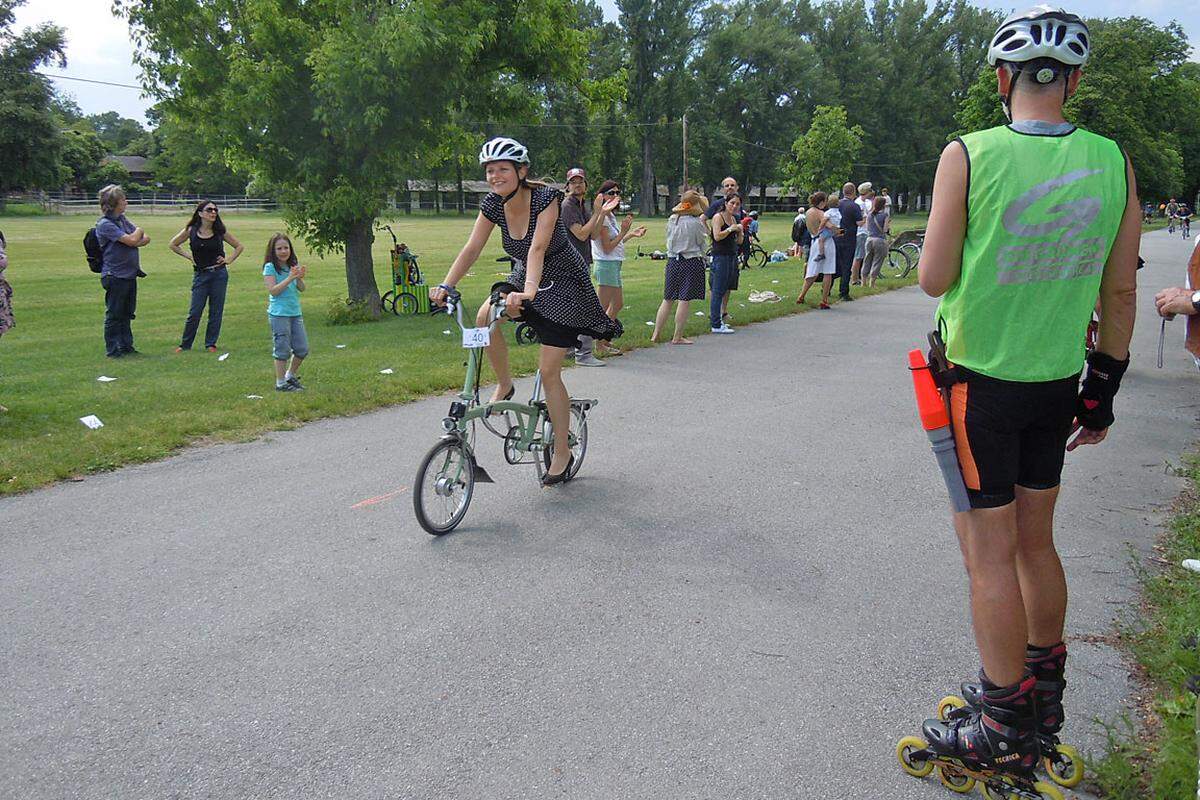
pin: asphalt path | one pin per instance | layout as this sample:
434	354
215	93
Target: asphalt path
751	591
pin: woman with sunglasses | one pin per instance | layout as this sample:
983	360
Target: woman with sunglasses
608	251
206	236
549	286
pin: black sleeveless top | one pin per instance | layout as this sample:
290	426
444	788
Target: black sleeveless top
726	246
205	251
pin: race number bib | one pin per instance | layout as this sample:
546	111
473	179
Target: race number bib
476	337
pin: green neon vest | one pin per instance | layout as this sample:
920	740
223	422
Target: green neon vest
1042	215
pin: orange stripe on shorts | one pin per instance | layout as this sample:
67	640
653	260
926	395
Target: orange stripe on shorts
958	418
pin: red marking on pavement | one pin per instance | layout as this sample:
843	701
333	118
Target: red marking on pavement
370	501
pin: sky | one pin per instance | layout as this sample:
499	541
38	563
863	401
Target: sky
99	46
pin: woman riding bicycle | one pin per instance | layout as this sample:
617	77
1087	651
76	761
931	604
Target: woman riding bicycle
550	287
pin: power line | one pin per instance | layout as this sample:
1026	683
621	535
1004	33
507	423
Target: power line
87	80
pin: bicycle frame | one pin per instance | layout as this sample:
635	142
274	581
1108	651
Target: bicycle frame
469	409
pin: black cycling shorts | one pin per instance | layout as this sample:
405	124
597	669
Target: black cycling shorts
1010	434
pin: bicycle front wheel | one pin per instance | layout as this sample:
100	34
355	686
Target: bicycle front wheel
444	486
406	303
912	251
578	442
758	257
898	265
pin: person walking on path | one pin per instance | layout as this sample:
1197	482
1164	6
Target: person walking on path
844	242
878	226
549	286
581	222
206	236
729	188
119	241
6	313
821	227
727	234
865	200
608	253
1018	279
283	275
687	240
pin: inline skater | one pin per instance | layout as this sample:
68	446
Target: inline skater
550	286
1029	222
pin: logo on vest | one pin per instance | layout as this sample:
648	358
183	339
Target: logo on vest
1071	255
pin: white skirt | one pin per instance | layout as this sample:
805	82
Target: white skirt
827	266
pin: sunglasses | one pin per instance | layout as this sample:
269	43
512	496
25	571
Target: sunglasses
613	193
209	210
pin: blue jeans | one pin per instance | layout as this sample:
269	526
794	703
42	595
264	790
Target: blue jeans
288	337
720	279
207	287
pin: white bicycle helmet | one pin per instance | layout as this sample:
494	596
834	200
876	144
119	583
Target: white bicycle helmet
1041	32
503	148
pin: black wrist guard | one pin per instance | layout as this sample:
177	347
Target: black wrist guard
1094	406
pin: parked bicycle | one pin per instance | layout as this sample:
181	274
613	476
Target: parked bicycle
446	478
904	253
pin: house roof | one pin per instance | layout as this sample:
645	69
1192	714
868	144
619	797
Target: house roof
131	163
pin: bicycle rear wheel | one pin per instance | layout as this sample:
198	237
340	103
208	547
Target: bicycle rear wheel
912	251
758	257
444	486
578	441
388	302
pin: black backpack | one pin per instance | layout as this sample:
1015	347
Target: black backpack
93	250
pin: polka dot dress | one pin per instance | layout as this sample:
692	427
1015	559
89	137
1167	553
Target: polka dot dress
684	279
566	297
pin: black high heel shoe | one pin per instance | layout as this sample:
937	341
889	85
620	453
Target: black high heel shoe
511	391
562	477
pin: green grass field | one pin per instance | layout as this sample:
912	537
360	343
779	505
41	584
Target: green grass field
162	401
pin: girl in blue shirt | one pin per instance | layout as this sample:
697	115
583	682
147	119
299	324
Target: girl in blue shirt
284	279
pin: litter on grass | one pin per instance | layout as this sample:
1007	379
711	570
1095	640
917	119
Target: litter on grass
340	346
223	356
92	421
387	371
447	331
650	322
254	397
699	313
105	379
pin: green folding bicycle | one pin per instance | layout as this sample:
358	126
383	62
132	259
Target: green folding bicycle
448	473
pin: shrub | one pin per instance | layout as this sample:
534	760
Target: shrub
343	311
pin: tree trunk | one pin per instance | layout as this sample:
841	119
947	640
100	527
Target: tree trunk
462	206
648	187
407	198
360	269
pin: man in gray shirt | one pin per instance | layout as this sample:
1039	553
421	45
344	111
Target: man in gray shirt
579	222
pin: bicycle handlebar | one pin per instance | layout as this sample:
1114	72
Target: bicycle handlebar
453	308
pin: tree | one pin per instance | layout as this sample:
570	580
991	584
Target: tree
115	131
188	161
823	158
331	101
82	153
29	131
659	36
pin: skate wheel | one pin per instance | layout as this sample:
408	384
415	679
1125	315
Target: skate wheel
948	704
1065	767
1048	791
954	780
904	751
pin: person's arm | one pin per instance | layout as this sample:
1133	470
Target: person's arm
465	259
301	271
584	232
941	254
636	233
237	250
135	238
179	239
1118	307
1118	287
608	242
536	260
275	287
723	227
